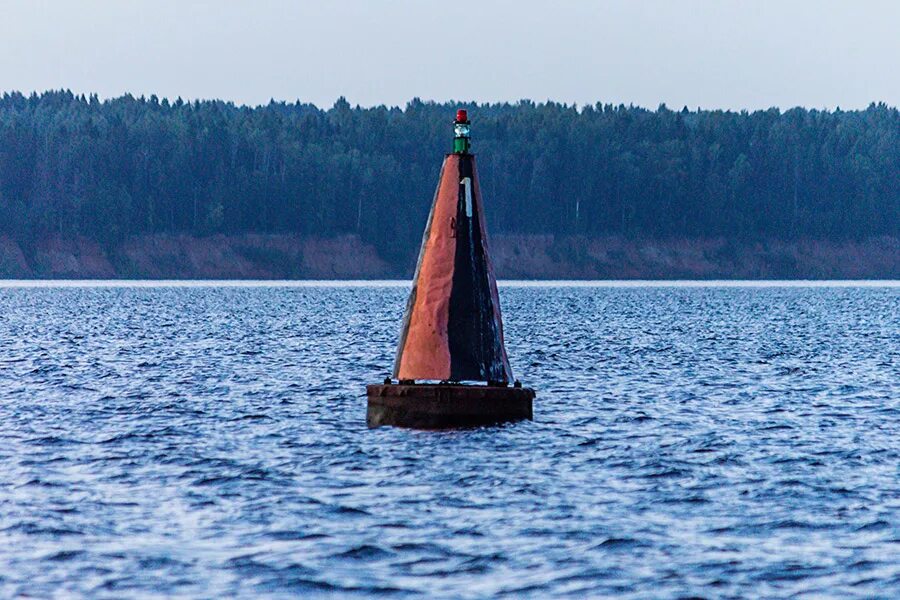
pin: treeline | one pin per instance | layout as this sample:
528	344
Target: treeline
77	166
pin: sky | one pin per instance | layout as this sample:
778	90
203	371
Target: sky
726	54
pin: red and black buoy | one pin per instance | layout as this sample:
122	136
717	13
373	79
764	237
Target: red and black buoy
451	368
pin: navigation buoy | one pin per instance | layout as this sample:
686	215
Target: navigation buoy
451	368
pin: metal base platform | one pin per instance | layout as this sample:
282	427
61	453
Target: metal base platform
444	406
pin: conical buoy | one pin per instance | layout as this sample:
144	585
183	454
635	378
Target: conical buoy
451	368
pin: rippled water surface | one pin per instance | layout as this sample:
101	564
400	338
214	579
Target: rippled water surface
211	441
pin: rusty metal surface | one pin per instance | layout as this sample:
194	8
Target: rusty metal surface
424	352
440	406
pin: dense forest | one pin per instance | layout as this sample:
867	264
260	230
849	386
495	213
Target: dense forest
106	170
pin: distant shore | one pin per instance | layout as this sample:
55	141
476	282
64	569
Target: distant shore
258	256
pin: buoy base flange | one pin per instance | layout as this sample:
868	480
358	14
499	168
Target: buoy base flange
444	406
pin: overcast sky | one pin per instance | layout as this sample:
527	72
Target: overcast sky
713	54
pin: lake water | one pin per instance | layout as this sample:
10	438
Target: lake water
209	440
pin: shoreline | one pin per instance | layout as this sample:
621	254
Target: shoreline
405	284
286	257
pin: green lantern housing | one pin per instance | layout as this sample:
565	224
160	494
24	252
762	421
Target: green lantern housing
461	139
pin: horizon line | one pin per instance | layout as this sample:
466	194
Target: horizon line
399	283
578	107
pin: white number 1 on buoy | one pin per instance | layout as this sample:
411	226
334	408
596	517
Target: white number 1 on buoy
467	184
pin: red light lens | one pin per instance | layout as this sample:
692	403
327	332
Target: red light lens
461	116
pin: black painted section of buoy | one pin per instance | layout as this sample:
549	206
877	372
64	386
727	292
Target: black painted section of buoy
474	339
445	406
